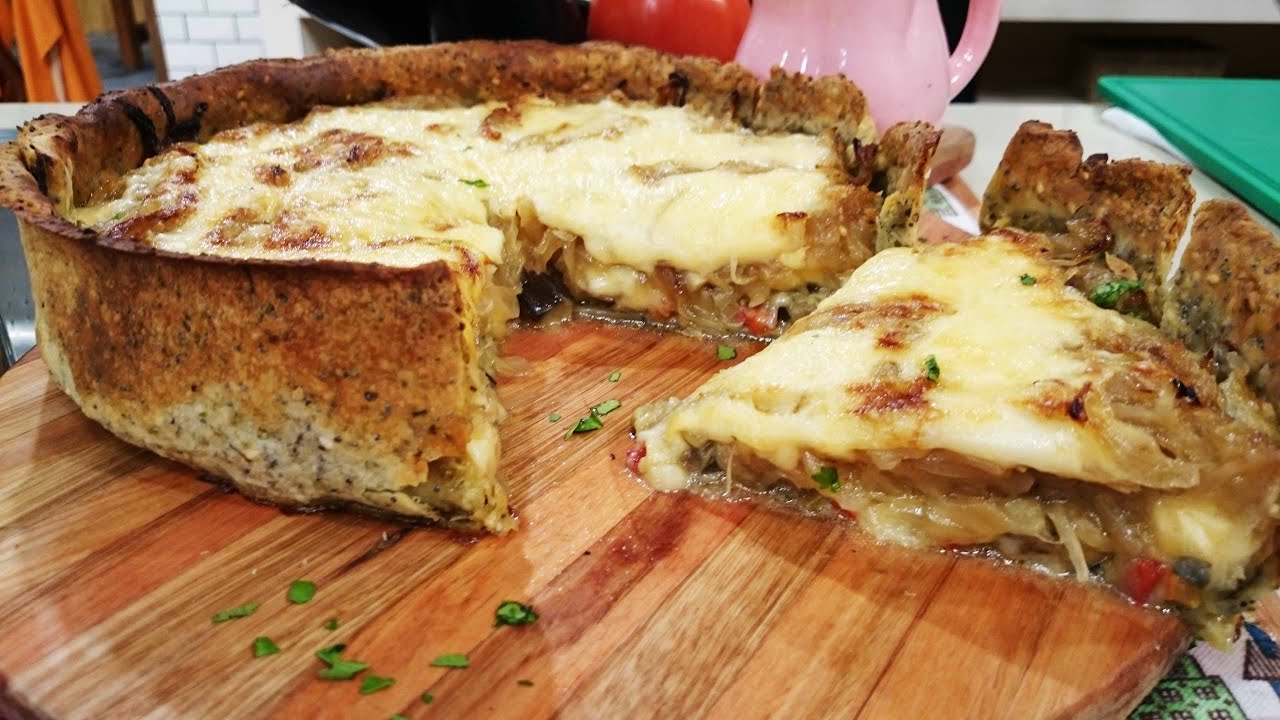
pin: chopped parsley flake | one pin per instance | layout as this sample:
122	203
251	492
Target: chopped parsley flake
526	683
477	183
397	716
339	668
615	376
554	417
451	660
428	698
330	624
1027	280
373	683
726	352
118	215
301	591
331	653
263	646
605	408
827	479
931	370
244	610
513	613
1107	295
587	424
342	670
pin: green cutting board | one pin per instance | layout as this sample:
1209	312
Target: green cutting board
1229	128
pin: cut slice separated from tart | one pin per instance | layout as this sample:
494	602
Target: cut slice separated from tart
966	395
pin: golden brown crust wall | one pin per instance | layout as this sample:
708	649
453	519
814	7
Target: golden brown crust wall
1044	180
297	383
1226	294
902	167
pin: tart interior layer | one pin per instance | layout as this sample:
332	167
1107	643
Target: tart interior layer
964	394
625	189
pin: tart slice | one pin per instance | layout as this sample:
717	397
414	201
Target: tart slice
963	395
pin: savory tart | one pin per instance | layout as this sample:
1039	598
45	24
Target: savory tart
292	274
981	400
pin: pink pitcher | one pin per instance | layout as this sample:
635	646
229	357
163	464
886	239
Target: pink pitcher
895	50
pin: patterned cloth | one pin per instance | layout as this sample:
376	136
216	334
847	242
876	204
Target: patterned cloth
1204	684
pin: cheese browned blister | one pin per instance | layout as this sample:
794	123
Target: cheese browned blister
966	395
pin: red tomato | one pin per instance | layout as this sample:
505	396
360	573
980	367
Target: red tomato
689	27
759	320
1143	576
634	456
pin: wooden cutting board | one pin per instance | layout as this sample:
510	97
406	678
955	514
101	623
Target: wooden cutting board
112	562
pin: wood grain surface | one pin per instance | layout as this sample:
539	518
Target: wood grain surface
112	562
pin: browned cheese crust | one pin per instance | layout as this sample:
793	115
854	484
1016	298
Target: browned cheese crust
1134	209
1225	297
289	378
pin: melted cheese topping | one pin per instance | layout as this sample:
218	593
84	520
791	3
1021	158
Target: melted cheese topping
642	185
998	344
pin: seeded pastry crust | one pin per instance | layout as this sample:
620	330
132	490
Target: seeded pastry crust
1138	209
1225	297
327	383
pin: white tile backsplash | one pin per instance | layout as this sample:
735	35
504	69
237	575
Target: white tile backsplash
233	6
172	27
192	55
200	35
249	27
165	7
230	54
211	27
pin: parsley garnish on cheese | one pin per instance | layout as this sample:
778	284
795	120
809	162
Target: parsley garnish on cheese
931	370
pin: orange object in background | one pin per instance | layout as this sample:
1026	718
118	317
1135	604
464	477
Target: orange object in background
712	28
52	50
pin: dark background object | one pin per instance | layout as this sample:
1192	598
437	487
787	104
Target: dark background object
954	13
395	22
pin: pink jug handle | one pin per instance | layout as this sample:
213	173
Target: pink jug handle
975	42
